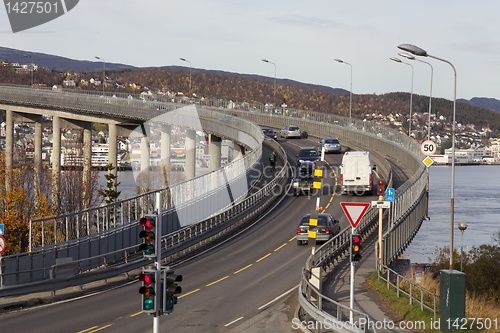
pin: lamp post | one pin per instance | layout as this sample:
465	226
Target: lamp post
274	98
421	52
411	93
409	56
103	72
462	226
350	90
190	66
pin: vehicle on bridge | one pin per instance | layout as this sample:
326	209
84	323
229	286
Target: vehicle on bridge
269	132
304	178
356	173
331	145
327	228
290	131
307	154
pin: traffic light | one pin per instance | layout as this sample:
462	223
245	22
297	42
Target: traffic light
381	187
355	247
148	290
148	234
170	289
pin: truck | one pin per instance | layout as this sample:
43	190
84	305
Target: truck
356	173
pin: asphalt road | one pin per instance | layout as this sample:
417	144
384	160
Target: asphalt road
247	284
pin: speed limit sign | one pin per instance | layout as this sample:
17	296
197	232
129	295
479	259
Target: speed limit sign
2	244
428	147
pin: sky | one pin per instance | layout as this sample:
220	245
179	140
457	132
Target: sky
302	38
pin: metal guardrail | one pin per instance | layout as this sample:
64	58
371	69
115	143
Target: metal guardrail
427	299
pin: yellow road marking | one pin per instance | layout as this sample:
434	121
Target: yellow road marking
264	257
189	293
88	329
217	281
136	314
247	266
95	329
280	247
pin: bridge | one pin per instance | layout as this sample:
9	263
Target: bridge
108	250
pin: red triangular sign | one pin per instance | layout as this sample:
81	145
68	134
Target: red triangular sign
354	211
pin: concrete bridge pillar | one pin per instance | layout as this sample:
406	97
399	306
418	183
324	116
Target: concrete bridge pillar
238	151
87	158
56	159
38	157
165	152
145	159
112	147
190	165
215	152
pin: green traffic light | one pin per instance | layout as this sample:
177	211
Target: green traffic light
169	304
148	304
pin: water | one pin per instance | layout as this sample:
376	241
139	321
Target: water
477	202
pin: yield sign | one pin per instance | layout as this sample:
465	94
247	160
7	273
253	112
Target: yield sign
354	211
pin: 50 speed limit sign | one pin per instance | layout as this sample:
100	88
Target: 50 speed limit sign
428	148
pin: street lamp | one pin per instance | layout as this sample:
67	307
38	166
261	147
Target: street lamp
411	94
274	99
420	52
350	93
103	72
182	59
409	56
462	226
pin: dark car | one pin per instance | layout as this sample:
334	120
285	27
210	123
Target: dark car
304	178
307	154
331	145
269	133
327	228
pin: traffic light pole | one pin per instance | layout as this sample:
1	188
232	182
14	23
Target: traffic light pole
351	304
156	318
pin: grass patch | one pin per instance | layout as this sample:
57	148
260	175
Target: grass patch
401	309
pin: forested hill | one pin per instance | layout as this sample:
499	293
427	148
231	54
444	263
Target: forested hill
237	87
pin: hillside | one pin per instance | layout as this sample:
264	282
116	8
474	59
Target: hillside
243	88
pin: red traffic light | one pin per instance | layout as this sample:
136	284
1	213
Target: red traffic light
148	234
150	298
356	240
381	187
147	222
147	278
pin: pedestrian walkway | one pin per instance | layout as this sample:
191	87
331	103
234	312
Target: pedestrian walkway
337	287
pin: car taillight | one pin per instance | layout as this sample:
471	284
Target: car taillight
341	179
371	179
327	230
298	230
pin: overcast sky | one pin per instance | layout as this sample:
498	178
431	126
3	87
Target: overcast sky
301	37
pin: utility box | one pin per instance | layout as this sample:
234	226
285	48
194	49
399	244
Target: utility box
451	300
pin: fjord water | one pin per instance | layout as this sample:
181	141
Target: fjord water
477	202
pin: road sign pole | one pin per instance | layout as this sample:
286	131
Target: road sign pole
380	215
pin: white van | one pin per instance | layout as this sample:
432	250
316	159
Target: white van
356	173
